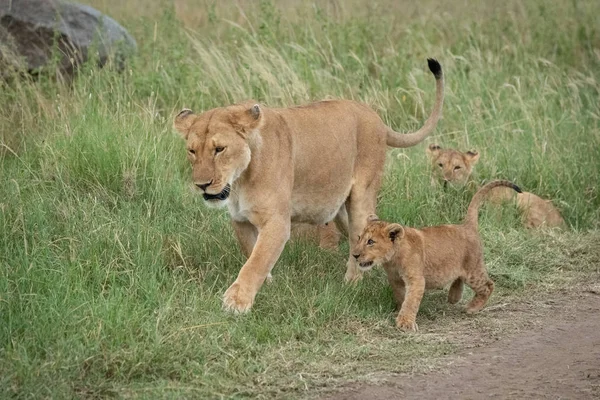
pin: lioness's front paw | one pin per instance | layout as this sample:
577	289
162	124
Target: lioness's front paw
237	299
406	324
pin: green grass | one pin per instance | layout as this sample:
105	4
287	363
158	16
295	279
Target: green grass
112	269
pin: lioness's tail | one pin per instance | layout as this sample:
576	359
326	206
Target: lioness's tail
473	211
396	139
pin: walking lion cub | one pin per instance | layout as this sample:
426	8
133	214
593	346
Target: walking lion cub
429	258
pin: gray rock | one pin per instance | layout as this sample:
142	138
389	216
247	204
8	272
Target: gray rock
29	29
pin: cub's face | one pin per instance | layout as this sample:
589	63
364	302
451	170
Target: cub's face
451	166
376	244
217	147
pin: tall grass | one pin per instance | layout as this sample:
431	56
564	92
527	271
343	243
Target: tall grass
112	269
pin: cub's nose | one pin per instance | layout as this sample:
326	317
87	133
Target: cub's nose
203	186
356	256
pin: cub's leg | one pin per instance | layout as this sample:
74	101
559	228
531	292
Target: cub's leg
396	282
482	285
406	320
271	239
456	291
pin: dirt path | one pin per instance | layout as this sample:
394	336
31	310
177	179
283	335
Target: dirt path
558	357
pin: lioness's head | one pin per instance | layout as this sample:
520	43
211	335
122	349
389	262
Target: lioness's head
219	146
376	244
451	166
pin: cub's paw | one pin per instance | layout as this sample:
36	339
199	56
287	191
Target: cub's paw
353	278
406	324
269	278
237	299
473	309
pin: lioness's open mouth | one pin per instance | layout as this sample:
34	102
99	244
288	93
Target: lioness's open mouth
223	195
366	264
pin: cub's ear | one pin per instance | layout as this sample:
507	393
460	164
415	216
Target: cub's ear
372	218
433	150
395	231
245	121
472	156
183	121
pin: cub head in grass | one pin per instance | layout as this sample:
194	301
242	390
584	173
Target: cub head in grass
451	166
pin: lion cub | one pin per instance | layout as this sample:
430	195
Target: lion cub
429	258
454	167
451	166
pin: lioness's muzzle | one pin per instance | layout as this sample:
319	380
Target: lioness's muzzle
224	194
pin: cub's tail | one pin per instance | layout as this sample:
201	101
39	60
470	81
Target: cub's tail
396	139
473	211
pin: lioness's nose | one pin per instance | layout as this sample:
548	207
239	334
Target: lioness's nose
356	256
203	186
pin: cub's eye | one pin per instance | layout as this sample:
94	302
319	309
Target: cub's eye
457	167
192	151
219	149
440	165
370	242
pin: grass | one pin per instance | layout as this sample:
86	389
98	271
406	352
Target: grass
112	269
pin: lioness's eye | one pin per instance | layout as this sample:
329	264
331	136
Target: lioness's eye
192	151
219	149
370	242
440	165
457	167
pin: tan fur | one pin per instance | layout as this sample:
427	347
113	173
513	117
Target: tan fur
451	166
428	258
327	236
310	163
535	211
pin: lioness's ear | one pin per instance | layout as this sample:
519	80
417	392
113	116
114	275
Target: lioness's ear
183	121
472	156
247	120
372	218
395	231
433	150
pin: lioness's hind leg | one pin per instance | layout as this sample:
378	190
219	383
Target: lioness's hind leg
359	208
482	286
456	291
246	234
362	200
341	220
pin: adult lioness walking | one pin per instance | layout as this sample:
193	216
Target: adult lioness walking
272	166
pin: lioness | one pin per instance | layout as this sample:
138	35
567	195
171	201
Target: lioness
273	166
327	236
429	258
455	167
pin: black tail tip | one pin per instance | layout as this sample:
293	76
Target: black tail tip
516	188
435	67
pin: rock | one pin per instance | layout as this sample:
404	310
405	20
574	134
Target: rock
29	30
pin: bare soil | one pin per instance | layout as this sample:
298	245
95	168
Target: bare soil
547	349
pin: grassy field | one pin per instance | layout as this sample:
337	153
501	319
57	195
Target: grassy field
112	269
